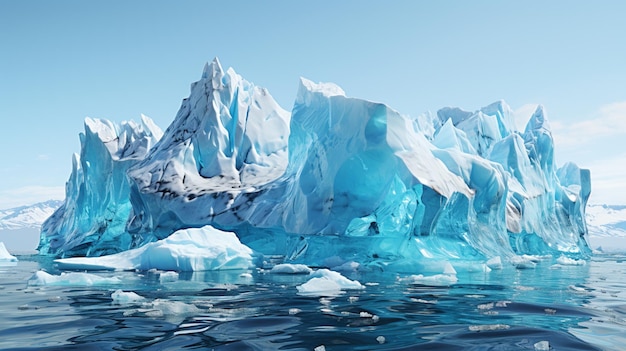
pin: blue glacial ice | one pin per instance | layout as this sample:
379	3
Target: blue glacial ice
337	180
92	219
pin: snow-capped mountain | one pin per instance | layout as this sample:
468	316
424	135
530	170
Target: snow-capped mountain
31	216
607	227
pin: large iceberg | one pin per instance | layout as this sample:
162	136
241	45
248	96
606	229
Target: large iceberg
338	179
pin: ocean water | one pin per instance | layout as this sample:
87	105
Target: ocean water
547	308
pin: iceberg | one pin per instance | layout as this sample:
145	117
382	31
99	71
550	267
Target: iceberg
5	256
338	179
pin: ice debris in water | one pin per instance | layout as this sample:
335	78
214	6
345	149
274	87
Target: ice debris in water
434	280
325	282
194	249
167	277
494	263
542	346
121	297
488	327
336	177
5	255
71	279
566	261
286	268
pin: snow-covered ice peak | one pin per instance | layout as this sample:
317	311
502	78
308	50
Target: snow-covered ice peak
326	89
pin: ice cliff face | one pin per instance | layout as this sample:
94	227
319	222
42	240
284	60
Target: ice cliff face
338	179
92	219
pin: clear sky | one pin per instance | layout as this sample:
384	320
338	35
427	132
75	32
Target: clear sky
61	61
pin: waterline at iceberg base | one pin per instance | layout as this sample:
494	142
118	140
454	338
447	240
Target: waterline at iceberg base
338	181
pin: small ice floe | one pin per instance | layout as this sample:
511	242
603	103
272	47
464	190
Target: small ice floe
320	348
381	339
434	280
488	327
71	279
168	277
325	282
288	268
494	263
485	306
121	297
566	261
173	311
577	289
503	304
294	311
524	262
246	275
542	346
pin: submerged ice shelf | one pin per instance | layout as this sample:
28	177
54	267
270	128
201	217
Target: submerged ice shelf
337	180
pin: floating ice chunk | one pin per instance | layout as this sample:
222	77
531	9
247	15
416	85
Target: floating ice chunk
488	327
325	282
173	311
577	289
381	339
5	255
542	346
194	249
168	307
485	306
523	262
167	277
434	280
320	348
71	279
566	261
121	297
287	268
495	263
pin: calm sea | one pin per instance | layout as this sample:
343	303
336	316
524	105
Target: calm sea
547	308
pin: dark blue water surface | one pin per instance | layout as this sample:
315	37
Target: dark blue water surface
571	307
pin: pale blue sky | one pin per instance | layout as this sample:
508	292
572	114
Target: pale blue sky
61	61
